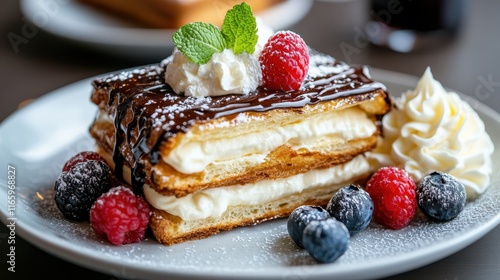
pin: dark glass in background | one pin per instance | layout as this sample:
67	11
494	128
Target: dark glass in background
407	25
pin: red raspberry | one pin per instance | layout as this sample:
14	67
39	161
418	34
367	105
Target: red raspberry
284	61
81	157
120	215
394	197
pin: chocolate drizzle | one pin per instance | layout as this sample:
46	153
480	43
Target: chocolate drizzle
148	112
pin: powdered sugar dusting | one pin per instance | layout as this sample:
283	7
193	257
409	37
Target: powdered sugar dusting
164	117
260	247
321	65
264	249
125	75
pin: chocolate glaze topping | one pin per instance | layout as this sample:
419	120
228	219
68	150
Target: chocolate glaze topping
146	111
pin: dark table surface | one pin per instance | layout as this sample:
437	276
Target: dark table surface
468	63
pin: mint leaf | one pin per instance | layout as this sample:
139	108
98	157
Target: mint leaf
240	29
198	41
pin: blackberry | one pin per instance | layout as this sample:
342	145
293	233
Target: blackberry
352	206
441	196
326	240
301	217
77	189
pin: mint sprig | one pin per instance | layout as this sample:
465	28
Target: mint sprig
198	41
240	29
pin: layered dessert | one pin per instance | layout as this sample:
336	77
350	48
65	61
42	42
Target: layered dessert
242	124
213	145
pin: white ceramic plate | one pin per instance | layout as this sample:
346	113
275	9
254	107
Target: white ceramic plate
72	20
37	139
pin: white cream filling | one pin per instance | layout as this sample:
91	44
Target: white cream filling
214	202
192	156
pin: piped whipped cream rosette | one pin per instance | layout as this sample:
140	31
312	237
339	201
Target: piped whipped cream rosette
433	129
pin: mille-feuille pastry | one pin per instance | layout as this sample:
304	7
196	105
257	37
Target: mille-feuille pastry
142	127
210	153
173	13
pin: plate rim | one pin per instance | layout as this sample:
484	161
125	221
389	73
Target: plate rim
100	263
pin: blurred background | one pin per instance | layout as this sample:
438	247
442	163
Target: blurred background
56	42
48	44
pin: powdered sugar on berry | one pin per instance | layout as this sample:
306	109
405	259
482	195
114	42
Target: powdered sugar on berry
120	216
284	62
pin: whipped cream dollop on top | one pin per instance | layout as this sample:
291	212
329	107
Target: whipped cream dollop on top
225	73
432	129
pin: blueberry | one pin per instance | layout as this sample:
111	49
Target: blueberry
326	240
441	196
352	206
301	217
